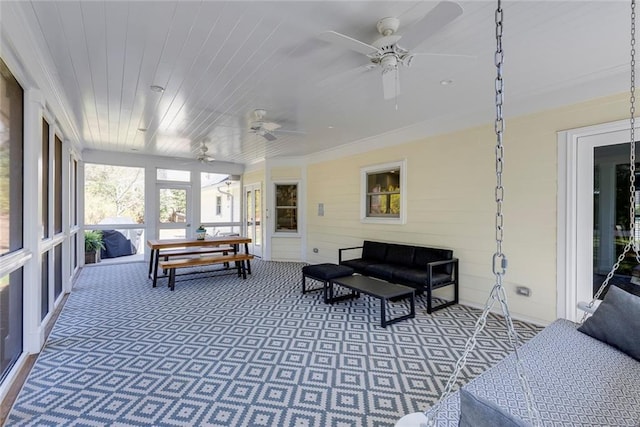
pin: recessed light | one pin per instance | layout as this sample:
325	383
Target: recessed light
330	127
156	88
134	149
446	82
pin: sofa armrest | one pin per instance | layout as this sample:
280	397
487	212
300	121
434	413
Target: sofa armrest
346	249
452	268
443	262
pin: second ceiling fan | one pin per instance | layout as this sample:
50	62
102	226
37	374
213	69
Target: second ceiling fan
393	50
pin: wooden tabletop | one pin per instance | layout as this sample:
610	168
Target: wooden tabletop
209	241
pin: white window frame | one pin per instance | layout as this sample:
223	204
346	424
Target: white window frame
277	232
401	167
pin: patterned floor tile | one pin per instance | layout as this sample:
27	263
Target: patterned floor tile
224	351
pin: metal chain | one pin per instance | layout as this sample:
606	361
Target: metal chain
499	261
633	238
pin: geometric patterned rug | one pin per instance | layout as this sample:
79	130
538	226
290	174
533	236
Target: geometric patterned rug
223	351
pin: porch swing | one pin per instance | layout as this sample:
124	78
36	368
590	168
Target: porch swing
564	380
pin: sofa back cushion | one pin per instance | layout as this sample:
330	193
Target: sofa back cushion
374	251
424	256
400	254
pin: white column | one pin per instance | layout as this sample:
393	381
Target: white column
66	217
33	108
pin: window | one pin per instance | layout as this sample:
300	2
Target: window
73	191
11	162
286	208
173	175
113	195
44	185
57	271
11	287
57	186
220	203
11	218
383	188
44	285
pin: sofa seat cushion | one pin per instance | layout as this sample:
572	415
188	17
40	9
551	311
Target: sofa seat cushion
418	275
382	271
358	264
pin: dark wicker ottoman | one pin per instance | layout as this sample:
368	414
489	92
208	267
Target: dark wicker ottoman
323	273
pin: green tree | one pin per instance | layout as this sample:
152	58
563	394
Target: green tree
113	192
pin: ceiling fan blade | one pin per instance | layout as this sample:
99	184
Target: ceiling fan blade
270	126
422	59
434	21
391	83
446	55
269	136
299	132
344	75
347	42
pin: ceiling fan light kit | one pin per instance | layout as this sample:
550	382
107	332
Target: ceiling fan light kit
385	51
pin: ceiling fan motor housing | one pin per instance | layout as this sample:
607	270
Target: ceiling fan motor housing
387	26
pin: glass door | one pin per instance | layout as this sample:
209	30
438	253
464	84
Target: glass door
174	211
611	221
253	203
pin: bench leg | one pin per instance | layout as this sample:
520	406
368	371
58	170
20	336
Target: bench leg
244	270
172	279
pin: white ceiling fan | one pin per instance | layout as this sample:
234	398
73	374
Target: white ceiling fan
262	128
392	50
202	155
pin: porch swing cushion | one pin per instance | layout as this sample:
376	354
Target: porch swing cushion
617	322
574	378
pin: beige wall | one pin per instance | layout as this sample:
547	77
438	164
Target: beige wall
253	177
450	192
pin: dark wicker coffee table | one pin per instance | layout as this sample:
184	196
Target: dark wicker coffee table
377	289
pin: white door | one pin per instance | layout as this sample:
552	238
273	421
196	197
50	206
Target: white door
174	211
591	214
253	215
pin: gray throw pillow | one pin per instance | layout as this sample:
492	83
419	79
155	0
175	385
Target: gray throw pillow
478	412
617	322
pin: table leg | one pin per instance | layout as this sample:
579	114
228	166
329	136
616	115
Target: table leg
155	268
383	312
246	251
153	252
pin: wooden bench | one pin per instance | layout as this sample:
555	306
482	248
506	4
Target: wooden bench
174	264
194	251
190	252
